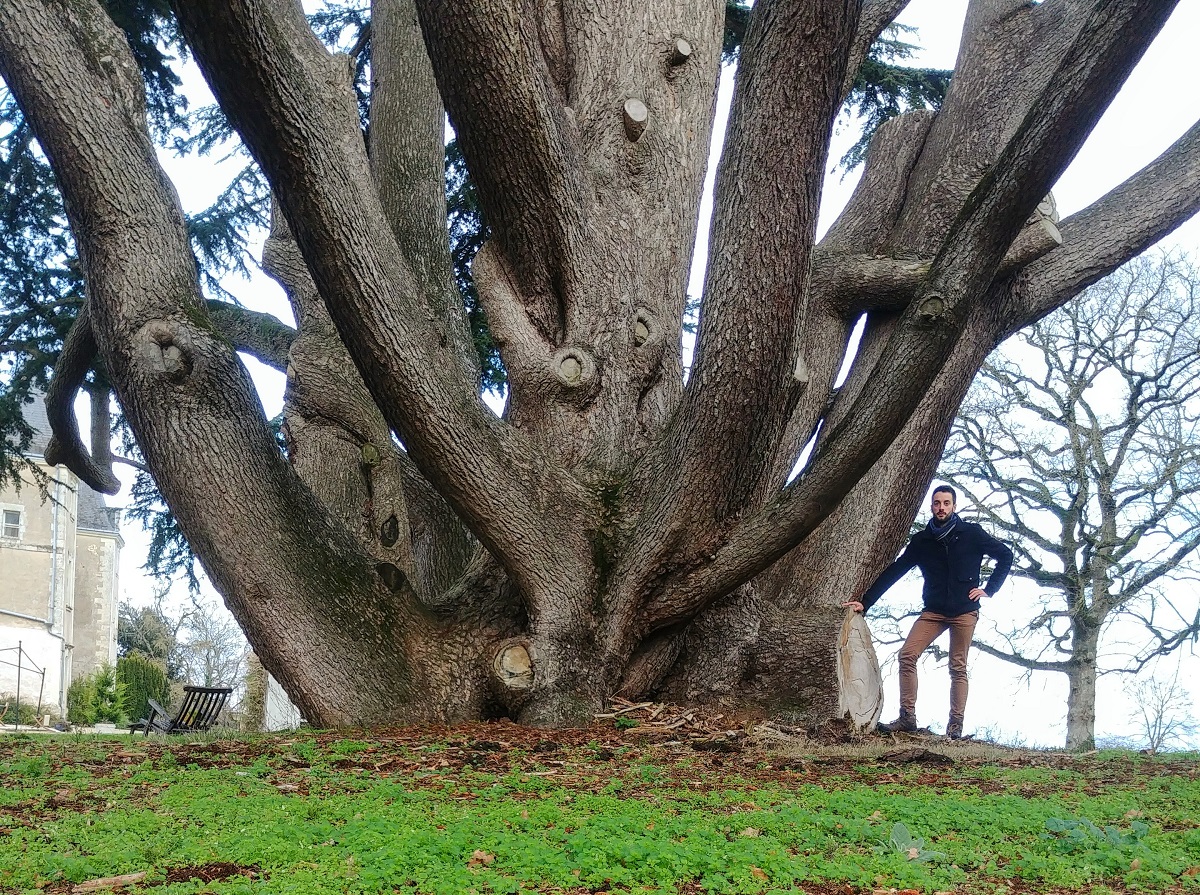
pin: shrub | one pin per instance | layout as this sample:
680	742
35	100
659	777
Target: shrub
81	700
96	697
110	695
11	713
143	679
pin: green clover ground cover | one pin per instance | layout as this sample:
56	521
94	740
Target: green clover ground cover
450	813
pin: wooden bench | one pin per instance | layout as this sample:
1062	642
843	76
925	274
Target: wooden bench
197	712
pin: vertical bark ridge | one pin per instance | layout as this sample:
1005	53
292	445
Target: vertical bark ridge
407	137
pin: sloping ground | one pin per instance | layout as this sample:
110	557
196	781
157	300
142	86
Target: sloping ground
677	803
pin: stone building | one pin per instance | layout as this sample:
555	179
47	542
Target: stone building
59	556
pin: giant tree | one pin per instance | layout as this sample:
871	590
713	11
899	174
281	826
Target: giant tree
621	528
1079	444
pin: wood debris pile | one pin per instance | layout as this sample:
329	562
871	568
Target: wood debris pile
648	718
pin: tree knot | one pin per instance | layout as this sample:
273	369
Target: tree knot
575	370
932	307
512	666
167	349
635	115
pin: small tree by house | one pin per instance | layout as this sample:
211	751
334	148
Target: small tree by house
143	679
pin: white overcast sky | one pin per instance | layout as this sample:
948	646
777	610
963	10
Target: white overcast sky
1157	104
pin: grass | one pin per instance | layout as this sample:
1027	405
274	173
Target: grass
495	808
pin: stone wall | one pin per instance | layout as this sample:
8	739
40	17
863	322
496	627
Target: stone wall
96	594
37	584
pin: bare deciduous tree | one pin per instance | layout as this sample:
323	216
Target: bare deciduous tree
212	649
413	556
1165	712
1080	442
200	644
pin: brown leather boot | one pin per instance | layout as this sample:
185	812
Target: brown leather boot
954	728
906	723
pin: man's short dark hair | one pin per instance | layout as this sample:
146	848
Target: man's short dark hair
949	490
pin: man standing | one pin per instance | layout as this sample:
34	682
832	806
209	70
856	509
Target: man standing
949	552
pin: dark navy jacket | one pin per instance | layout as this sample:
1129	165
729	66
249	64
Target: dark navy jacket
950	568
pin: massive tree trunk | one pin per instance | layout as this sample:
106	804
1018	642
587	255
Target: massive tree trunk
413	556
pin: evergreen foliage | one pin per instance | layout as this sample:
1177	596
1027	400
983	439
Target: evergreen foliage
110	695
81	701
143	679
884	88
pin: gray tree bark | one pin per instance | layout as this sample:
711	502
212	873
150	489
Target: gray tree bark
1081	695
413	556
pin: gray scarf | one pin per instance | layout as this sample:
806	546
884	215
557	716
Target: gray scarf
940	531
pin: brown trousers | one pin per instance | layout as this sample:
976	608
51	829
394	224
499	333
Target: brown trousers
926	629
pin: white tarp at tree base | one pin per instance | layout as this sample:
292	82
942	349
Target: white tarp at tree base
860	683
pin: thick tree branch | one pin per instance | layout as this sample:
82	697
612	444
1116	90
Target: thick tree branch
256	333
407	135
716	458
1122	224
747	368
331	423
518	139
100	411
1108	45
401	349
861	227
855	284
66	446
876	15
189	402
1007	54
880	194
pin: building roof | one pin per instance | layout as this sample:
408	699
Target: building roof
93	513
35	415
